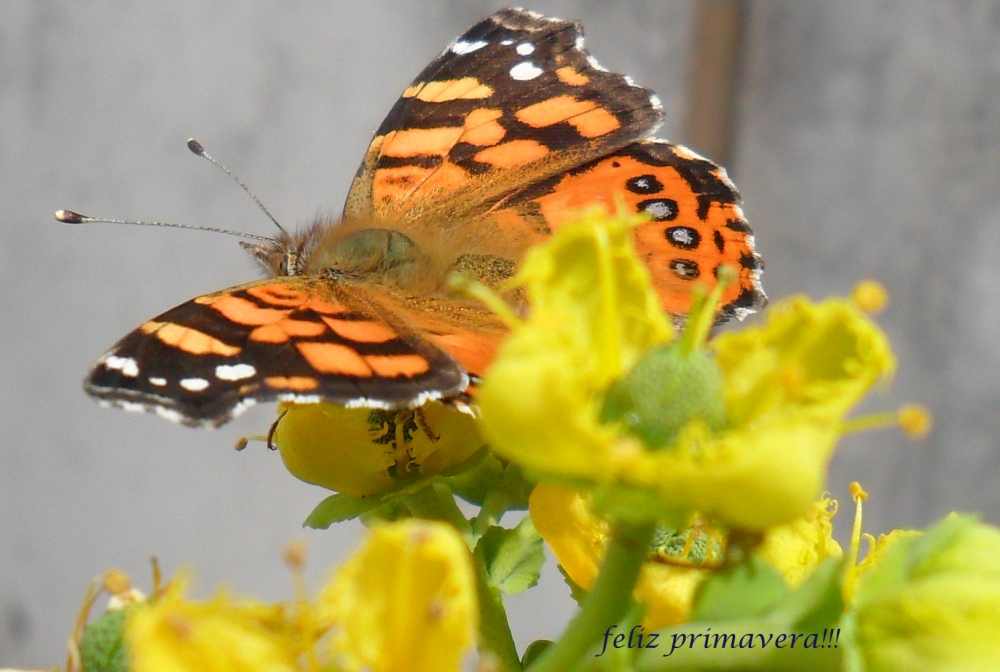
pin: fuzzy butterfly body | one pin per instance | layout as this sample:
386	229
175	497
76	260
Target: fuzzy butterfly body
497	143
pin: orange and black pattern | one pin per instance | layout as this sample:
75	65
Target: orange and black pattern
499	141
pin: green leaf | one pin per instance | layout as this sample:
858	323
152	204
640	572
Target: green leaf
818	603
575	591
338	508
744	591
513	558
102	645
534	650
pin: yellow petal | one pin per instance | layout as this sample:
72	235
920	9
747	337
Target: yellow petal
405	601
796	548
593	313
347	450
173	634
578	539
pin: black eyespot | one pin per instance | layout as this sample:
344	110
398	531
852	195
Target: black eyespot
616	164
662	209
683	237
644	184
685	269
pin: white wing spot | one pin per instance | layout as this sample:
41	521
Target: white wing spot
525	71
194	384
234	371
506	43
526	48
303	398
127	365
159	382
682	235
660	211
462	47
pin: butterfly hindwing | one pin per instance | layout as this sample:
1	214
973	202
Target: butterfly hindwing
697	223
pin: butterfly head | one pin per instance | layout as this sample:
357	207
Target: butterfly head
285	255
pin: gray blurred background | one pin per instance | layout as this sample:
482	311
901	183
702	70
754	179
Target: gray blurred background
865	138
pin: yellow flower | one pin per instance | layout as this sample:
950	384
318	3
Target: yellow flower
577	537
360	452
929	602
406	601
786	387
592	315
173	634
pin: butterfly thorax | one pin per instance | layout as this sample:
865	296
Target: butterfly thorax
352	252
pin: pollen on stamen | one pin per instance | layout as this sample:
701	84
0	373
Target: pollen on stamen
915	420
857	492
870	296
115	581
295	554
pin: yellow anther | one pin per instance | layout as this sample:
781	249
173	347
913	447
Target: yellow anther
295	554
915	420
116	582
871	296
857	492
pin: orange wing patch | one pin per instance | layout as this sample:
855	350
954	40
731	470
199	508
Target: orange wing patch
443	91
697	221
188	339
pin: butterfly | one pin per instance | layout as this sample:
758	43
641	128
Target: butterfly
495	144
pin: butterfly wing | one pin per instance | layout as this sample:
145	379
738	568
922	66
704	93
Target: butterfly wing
513	100
295	339
697	223
514	128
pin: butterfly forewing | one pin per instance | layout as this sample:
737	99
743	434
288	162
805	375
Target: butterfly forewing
289	338
512	101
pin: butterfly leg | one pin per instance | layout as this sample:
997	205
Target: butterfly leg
421	419
274	427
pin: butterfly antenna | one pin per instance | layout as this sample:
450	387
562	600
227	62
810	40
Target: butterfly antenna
197	148
70	217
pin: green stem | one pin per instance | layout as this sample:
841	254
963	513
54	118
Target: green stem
606	603
436	502
494	630
494	506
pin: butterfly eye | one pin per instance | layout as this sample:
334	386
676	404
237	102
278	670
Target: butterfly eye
290	264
